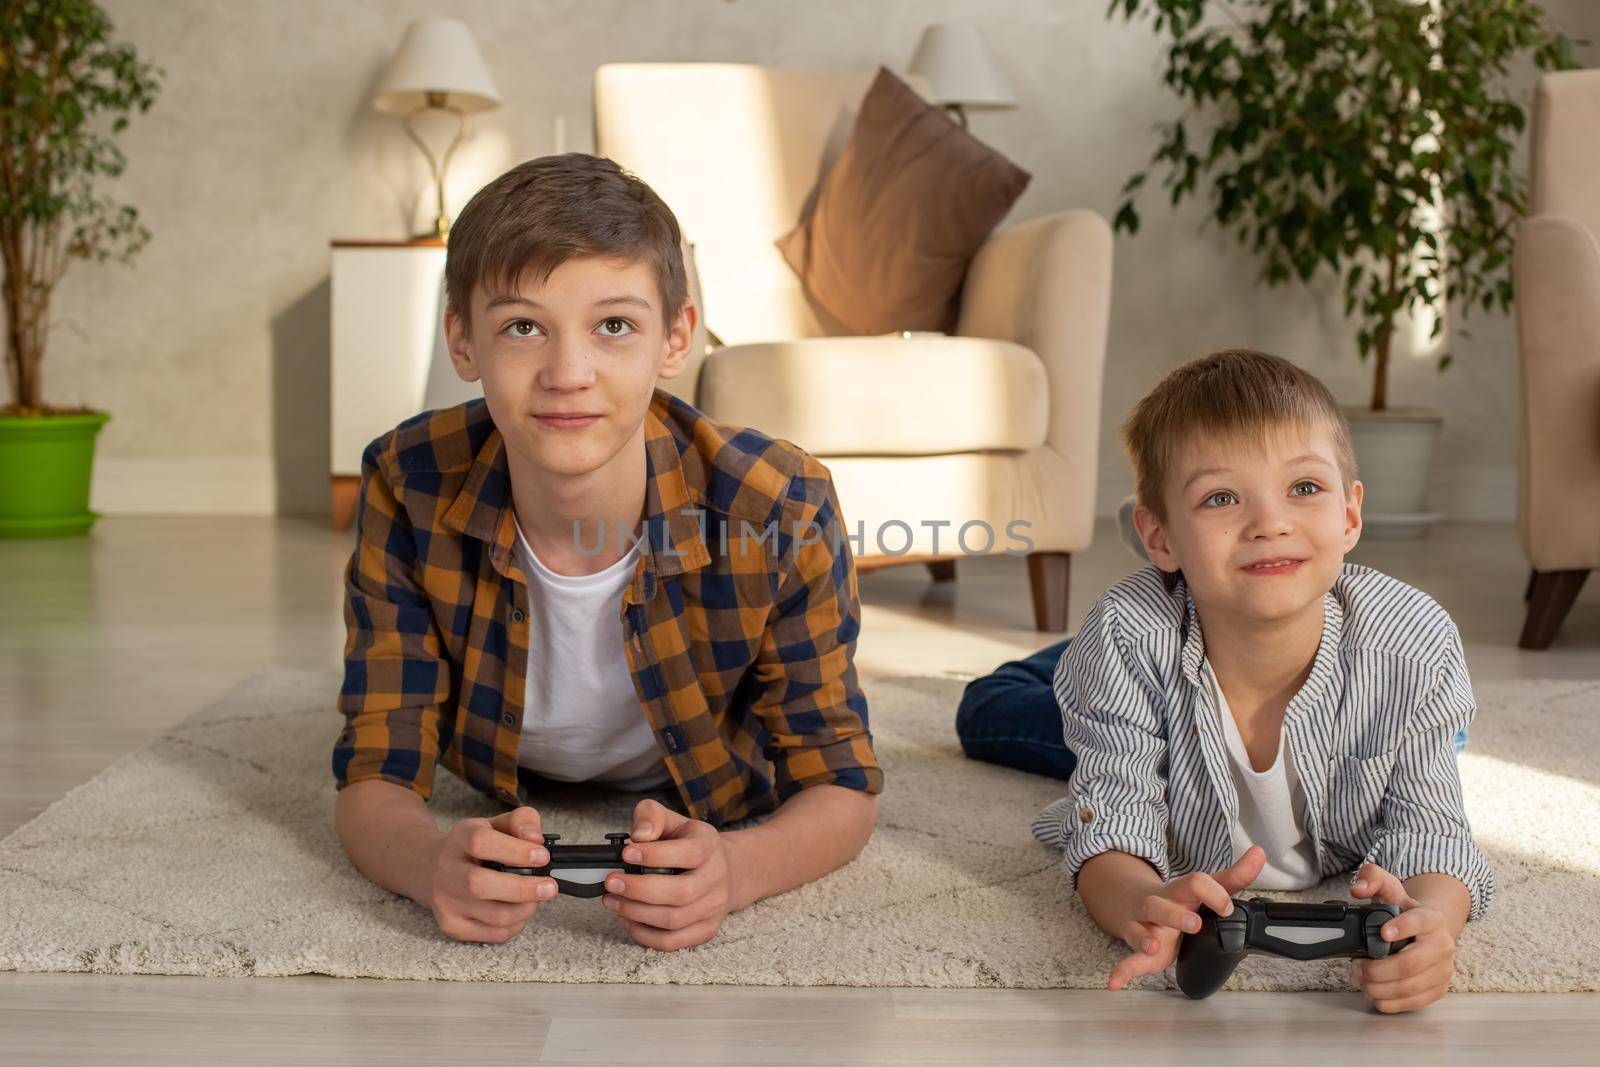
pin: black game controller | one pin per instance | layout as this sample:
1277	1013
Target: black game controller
1335	930
585	865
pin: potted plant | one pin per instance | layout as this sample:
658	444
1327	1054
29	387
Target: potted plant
1371	137
61	81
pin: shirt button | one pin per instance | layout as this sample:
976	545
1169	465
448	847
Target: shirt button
508	718
1085	814
516	616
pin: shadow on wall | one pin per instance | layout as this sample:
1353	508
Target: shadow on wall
301	413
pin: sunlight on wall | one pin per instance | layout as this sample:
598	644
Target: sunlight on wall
1425	346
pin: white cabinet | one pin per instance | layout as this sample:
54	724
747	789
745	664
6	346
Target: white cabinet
389	360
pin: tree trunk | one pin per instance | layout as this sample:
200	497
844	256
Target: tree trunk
24	325
1380	370
1380	375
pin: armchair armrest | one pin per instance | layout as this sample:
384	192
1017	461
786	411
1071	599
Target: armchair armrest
826	394
1046	284
1556	270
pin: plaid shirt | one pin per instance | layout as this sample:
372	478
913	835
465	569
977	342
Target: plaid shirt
740	650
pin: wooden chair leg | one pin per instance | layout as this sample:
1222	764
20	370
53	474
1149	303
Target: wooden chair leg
943	570
1527	594
1049	576
1551	598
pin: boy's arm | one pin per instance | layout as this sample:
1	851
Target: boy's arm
395	682
816	831
396	676
1444	894
811	703
806	692
1112	722
1113	886
1423	823
389	835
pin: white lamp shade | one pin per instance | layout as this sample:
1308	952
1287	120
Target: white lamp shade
959	68
437	55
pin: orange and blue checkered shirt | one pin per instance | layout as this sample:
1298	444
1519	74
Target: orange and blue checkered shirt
739	625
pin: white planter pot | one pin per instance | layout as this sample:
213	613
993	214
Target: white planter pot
1394	449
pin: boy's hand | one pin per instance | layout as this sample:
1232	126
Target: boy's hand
1418	974
1172	911
472	902
671	911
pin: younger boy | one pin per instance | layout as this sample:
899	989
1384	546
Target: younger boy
1250	710
581	578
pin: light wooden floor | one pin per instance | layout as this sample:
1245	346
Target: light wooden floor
104	642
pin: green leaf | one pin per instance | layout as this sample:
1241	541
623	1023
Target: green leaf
1127	219
1329	126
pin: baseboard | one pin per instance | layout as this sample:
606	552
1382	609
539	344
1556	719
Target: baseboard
228	485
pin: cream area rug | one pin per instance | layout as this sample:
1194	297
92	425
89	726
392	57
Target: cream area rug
211	851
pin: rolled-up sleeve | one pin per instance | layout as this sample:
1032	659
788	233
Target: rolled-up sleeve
396	677
1423	821
809	698
1111	720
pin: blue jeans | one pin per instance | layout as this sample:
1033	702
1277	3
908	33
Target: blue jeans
1010	717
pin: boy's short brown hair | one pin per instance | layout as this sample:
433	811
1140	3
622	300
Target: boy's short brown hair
1233	393
541	213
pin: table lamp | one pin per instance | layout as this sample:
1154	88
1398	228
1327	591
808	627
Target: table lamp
438	67
960	69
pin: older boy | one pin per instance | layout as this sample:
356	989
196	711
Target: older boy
1250	710
581	578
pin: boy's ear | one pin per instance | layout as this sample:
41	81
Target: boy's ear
1352	514
1153	536
459	342
679	337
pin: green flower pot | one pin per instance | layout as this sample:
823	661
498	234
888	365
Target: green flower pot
45	462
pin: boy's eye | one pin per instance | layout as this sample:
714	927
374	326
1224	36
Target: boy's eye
610	327
516	327
1313	486
1220	499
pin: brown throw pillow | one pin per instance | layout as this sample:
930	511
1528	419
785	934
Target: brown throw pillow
900	215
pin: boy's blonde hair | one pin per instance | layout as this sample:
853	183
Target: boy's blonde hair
1237	393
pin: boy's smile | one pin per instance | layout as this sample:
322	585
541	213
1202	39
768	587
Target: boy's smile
1260	529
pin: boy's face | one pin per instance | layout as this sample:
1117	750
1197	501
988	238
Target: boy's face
569	367
1259	531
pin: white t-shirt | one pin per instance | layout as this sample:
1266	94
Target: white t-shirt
581	719
1272	808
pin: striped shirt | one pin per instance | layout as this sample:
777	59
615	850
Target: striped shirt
741	650
1370	733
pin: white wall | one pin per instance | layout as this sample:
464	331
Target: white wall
211	350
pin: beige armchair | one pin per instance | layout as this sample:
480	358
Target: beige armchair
1557	277
935	443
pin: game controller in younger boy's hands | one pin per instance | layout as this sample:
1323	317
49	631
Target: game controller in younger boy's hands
1335	930
580	870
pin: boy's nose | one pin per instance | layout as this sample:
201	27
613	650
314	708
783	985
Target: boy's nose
1268	522
568	367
